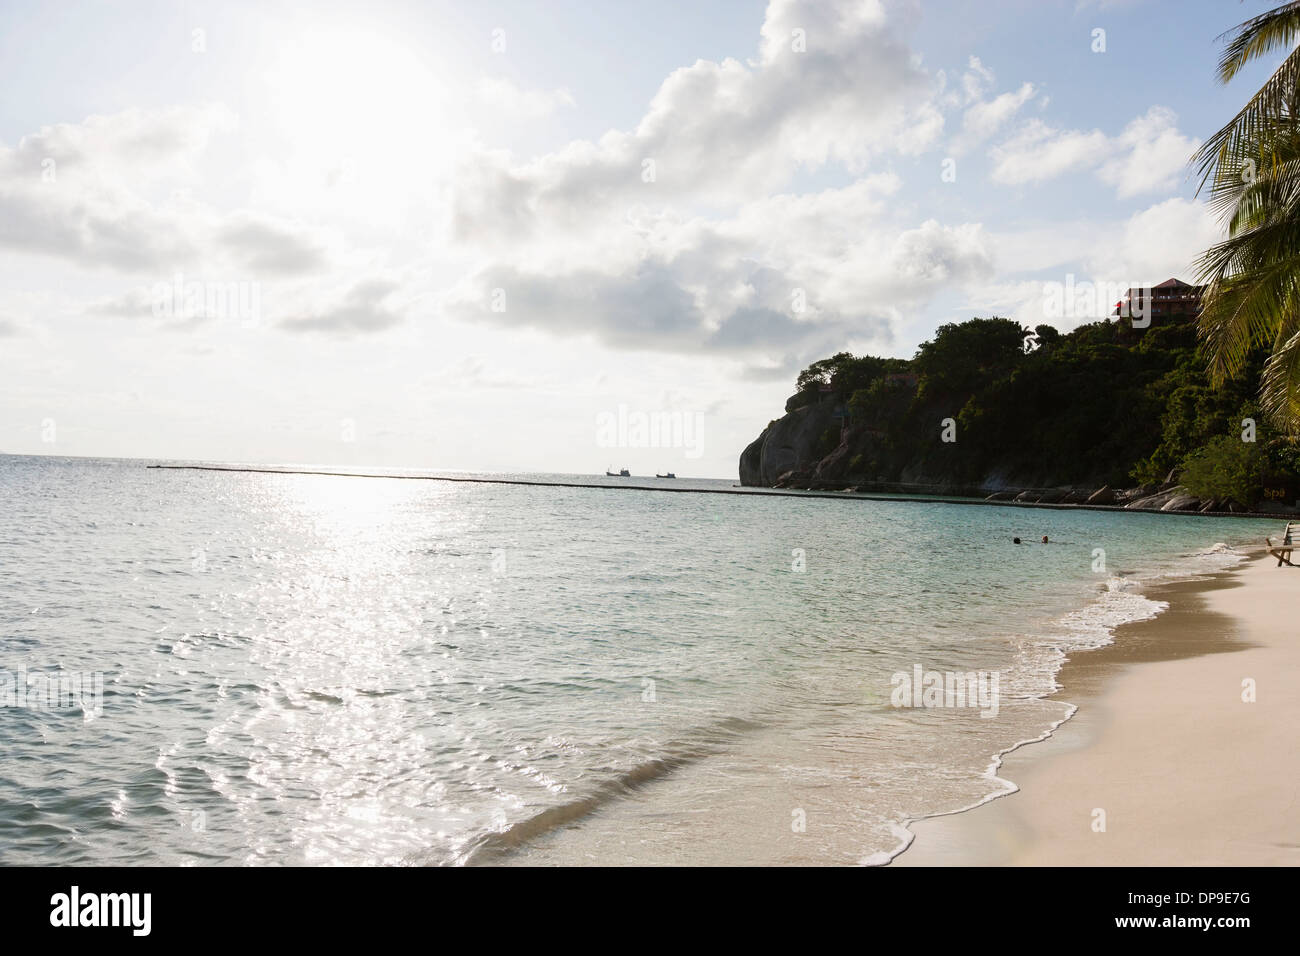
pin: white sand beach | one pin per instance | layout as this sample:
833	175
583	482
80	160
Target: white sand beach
1186	772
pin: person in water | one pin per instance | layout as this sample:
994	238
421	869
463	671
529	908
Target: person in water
1015	540
1044	539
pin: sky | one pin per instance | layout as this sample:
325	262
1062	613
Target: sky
560	237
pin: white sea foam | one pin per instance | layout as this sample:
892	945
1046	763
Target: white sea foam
1093	626
1123	600
1039	658
1219	557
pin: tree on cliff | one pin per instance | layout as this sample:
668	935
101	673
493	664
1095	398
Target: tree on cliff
964	355
1102	404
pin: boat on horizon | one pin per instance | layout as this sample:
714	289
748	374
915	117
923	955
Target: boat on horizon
621	473
669	475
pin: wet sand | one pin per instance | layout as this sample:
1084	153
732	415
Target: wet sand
1164	763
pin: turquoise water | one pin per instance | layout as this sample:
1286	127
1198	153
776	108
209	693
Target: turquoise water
306	669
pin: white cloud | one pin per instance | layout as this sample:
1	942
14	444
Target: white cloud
1157	243
270	247
134	303
784	276
1038	152
502	94
107	192
984	118
934	253
1146	157
610	238
723	132
364	307
1156	154
161	142
977	79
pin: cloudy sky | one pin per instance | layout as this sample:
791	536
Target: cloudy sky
463	235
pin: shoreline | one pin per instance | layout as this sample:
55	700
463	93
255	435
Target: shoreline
1160	748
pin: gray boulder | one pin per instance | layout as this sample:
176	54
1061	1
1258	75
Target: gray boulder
1104	495
1154	502
1128	495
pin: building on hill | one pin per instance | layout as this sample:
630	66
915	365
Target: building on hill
1171	297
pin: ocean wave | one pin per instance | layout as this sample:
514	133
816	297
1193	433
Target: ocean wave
490	847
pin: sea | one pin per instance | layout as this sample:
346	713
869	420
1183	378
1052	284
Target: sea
241	668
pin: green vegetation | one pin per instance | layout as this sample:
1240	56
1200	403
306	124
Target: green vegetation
1103	404
1252	169
1226	467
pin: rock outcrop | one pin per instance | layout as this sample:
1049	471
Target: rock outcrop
788	444
807	449
1151	502
1102	496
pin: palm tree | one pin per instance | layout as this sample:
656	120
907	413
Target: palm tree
1252	169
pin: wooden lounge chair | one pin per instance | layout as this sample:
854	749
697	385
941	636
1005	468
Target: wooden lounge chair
1282	551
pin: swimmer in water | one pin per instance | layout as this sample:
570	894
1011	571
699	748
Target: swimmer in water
1044	539
1015	540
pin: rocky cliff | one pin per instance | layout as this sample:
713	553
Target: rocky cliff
807	449
792	443
989	408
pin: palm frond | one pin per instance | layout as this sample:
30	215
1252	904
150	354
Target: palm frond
1250	170
1240	313
1245	133
1279	393
1258	37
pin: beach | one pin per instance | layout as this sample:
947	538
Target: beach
1185	771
